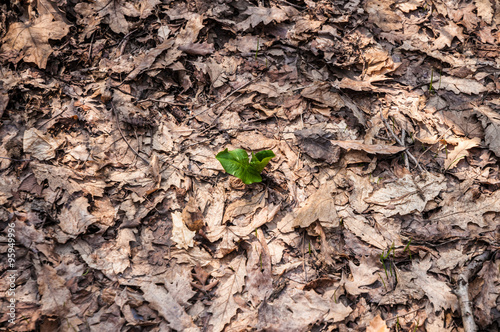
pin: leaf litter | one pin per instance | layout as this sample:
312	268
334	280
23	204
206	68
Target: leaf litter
380	204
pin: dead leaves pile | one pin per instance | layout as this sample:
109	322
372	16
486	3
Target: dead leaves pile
384	118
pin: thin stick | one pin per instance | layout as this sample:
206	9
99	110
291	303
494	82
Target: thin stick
16	159
123	136
408	313
462	291
415	161
223	99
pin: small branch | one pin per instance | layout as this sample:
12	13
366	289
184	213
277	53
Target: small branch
223	99
408	153
13	159
123	136
462	291
408	313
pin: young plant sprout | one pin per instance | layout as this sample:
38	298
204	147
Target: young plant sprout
236	163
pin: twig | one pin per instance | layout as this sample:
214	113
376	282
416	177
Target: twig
13	159
408	153
161	101
462	291
123	136
223	99
408	313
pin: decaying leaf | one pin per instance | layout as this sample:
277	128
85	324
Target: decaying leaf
459	152
42	147
231	282
320	206
377	325
407	194
181	234
491	124
257	15
418	282
362	276
163	302
321	93
260	282
32	38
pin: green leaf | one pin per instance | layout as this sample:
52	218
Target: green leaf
236	163
261	159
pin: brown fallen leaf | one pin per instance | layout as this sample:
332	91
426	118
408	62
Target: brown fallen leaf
259	278
224	306
111	12
314	142
377	325
491	124
192	216
201	277
459	152
460	85
407	194
369	148
32	38
320	206
166	305
181	235
320	92
41	146
257	15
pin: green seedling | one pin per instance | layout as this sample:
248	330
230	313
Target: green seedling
383	258
236	163
408	248
416	326
381	278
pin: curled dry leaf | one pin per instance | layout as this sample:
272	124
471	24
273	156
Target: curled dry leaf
460	152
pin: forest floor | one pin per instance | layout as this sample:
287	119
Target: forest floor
379	212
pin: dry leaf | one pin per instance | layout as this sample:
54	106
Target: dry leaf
484	10
369	148
259	279
407	194
460	152
459	85
163	302
181	235
491	124
257	15
362	276
112	13
42	147
377	325
197	48
231	282
33	38
320	206
416	283
321	93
